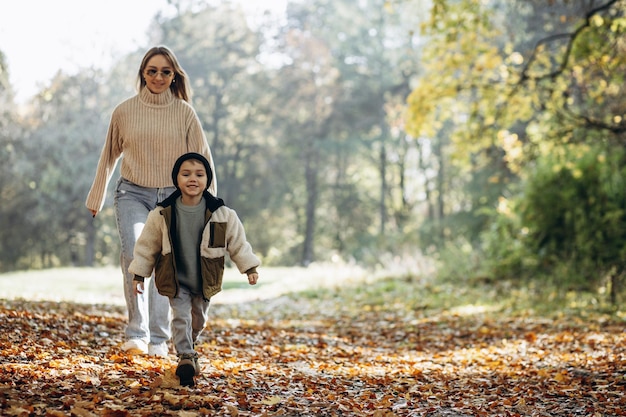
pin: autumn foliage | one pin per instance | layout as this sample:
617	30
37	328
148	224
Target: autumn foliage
315	356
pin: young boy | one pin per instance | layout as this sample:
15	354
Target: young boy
185	240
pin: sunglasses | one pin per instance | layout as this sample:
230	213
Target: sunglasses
153	73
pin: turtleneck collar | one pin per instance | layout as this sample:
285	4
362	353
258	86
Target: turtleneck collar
156	100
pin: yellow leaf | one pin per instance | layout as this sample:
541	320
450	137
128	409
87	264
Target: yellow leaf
234	412
560	377
272	400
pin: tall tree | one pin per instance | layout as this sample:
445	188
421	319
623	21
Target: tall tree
67	126
305	107
340	81
522	96
489	90
495	84
14	187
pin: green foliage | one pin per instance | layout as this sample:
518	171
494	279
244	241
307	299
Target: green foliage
566	228
575	209
51	155
518	99
503	250
17	202
563	231
432	296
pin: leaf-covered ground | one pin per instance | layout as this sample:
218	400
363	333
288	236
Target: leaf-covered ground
316	354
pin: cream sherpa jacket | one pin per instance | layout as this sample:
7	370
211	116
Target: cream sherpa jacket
223	234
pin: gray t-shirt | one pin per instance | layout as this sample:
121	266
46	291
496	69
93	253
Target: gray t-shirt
189	227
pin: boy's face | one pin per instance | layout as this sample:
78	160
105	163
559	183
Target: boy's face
192	178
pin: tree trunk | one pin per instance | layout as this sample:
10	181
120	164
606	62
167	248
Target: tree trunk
90	244
383	188
440	188
615	285
310	173
427	183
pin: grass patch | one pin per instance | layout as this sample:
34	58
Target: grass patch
432	298
325	288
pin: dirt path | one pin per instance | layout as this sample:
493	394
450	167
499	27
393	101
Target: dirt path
313	357
328	353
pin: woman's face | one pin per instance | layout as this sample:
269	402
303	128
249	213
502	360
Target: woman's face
158	74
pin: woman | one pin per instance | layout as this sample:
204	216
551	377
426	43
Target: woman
148	132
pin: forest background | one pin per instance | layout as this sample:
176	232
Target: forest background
436	188
483	137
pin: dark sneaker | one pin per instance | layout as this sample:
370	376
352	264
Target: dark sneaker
188	367
196	365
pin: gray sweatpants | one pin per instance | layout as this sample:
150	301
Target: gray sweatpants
189	315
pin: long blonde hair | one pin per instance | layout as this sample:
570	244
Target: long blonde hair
180	84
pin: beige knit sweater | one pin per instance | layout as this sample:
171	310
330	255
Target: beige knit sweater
148	132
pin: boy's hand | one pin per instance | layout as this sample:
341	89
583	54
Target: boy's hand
138	287
253	278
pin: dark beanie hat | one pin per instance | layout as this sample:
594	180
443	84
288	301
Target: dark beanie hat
196	157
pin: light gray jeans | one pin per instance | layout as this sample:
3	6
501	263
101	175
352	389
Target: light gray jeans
190	313
148	313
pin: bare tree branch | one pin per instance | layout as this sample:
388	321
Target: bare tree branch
566	55
592	123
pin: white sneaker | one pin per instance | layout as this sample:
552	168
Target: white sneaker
158	349
135	347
